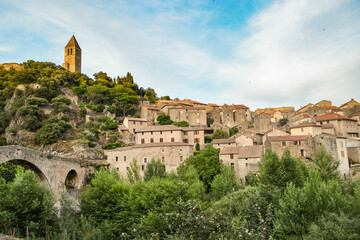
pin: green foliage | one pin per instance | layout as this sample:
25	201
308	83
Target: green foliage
154	169
197	147
283	121
209	121
52	130
111	109
280	172
218	134
61	104
91	144
32	116
299	207
180	124
96	108
233	131
3	141
7	171
36	101
113	146
165	98
151	95
207	165
224	183
164	119
133	172
325	164
25	202
208	139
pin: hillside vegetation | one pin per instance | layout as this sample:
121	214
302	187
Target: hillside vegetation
41	103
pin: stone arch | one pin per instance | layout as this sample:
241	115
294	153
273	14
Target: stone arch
72	180
30	166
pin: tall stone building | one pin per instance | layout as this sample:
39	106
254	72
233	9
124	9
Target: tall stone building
72	59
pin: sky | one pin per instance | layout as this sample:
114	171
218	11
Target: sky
253	52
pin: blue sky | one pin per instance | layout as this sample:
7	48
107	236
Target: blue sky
258	53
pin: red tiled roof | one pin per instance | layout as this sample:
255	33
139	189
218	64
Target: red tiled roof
287	138
240	106
225	140
122	127
151	108
333	116
355	114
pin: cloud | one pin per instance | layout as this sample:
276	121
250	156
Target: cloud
7	48
288	52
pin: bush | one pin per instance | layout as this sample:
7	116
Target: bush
208	139
164	119
3	141
49	133
111	109
91	144
218	134
96	108
113	146
181	124
36	101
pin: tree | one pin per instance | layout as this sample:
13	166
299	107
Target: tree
154	168
26	202
283	121
164	119
7	171
126	104
325	164
218	134
197	147
181	124
225	182
151	95
133	172
299	207
207	165
209	121
233	131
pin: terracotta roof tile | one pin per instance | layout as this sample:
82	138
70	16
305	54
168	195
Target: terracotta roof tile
333	116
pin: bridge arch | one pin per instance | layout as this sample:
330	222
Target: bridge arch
55	170
30	166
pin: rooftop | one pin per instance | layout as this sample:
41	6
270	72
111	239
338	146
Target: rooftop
307	124
224	140
332	116
287	138
159	128
243	151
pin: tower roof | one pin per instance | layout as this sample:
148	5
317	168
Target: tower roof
72	42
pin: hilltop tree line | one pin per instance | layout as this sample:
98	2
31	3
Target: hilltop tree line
202	200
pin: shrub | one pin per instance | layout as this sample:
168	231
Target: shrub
91	144
113	146
111	109
36	101
181	124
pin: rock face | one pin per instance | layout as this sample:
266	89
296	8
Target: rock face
77	150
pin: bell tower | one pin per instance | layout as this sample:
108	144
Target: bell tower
72	59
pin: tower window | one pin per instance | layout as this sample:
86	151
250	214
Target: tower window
71	51
68	51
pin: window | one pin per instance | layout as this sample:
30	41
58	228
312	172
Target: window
124	158
142	167
196	132
116	158
162	159
246	164
142	133
161	140
185	133
302	129
117	169
68	51
180	149
71	51
342	154
134	130
160	132
151	133
172	139
296	142
151	140
246	159
185	141
170	131
341	144
140	123
142	141
283	143
302	152
196	140
145	160
231	156
232	165
181	158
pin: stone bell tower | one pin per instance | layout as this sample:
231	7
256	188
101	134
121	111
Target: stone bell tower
72	59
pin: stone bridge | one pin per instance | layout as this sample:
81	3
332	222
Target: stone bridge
60	173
